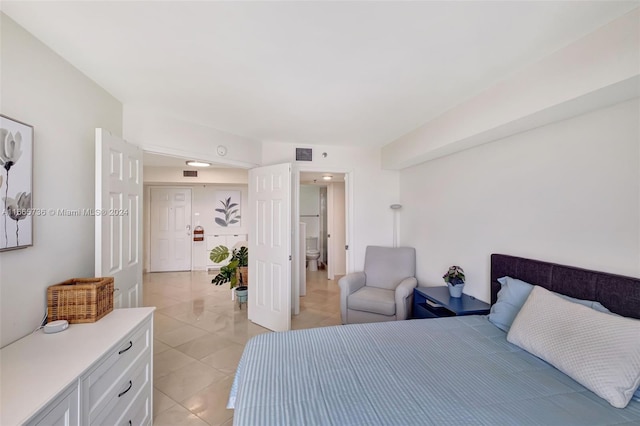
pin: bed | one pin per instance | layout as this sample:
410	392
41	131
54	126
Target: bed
454	371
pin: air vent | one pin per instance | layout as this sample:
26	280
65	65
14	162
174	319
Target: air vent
190	173
304	154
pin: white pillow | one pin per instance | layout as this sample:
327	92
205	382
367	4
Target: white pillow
600	351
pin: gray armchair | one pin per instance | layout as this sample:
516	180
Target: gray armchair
384	290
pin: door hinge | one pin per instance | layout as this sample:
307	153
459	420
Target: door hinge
346	247
289	257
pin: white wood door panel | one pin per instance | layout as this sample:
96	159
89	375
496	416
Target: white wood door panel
118	216
182	243
134	248
170	229
260	291
133	296
270	247
298	270
276	289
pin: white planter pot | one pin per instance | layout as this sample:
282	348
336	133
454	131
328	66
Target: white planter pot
455	290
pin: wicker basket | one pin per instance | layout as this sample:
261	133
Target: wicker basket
80	300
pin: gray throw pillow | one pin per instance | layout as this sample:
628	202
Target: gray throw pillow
512	296
599	351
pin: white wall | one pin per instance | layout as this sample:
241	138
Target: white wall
208	175
64	106
162	134
309	200
596	71
568	192
374	189
204	205
310	209
202	202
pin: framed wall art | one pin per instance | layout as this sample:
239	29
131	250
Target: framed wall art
227	210
16	184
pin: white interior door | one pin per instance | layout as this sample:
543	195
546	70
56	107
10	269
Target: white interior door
302	263
330	231
296	284
270	246
337	230
170	229
118	249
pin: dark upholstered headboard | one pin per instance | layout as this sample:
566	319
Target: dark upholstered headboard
617	293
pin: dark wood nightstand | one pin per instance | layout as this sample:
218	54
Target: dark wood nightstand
435	302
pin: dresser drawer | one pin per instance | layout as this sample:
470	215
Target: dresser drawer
138	413
124	396
63	411
108	377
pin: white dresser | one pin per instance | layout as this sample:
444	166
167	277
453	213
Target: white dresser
89	374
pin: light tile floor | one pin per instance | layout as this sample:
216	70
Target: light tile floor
200	334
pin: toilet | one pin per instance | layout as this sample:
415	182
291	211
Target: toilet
313	254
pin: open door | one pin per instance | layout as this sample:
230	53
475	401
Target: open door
118	251
270	247
298	259
336	225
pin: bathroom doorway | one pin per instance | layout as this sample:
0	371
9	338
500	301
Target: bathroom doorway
306	174
323	215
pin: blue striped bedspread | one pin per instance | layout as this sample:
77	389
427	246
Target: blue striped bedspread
448	371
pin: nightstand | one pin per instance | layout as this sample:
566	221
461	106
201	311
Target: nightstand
435	302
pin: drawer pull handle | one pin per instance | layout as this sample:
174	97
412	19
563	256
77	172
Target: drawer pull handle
126	390
126	349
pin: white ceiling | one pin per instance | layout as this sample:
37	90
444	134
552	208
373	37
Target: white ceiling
357	73
315	178
150	159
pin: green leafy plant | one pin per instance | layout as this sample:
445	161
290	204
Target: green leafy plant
231	272
454	276
230	211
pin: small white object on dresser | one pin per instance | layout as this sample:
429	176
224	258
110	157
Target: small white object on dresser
91	374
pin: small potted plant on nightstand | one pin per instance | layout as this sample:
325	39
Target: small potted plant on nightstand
455	280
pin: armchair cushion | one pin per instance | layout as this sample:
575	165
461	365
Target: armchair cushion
404	297
348	285
386	267
351	282
372	299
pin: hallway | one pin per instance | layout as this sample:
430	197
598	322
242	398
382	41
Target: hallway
199	336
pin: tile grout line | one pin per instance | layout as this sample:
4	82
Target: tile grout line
214	303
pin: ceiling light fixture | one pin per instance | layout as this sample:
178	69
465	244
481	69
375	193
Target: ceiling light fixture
193	163
327	177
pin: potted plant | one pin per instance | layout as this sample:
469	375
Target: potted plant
236	272
455	280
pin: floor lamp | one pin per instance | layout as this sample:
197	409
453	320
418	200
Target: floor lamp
395	208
